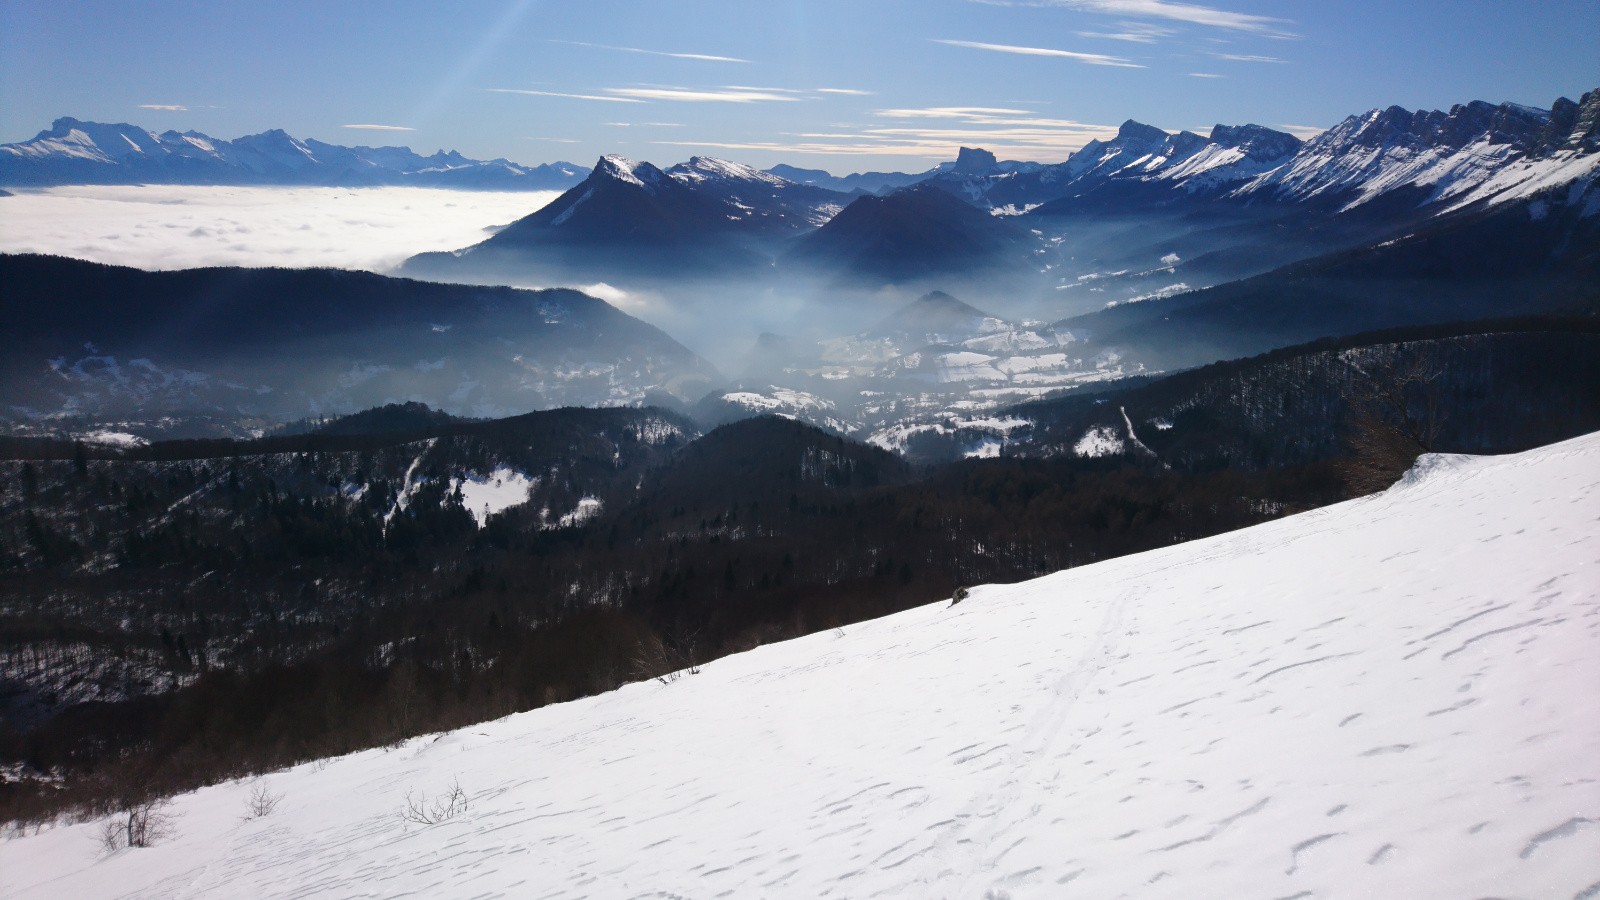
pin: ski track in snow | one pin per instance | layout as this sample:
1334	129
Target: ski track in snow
1391	697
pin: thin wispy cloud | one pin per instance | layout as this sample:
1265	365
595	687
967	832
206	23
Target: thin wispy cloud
368	127
646	124
848	92
1205	75
949	112
704	95
1191	13
1303	132
933	133
1132	32
164	107
1132	37
1093	59
702	57
595	97
1240	57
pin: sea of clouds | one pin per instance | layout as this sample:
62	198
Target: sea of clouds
180	227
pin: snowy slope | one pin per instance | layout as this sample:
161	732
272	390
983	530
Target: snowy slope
1392	697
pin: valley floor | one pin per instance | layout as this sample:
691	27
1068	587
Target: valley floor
1391	697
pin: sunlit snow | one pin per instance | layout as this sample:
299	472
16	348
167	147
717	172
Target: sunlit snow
1391	697
485	495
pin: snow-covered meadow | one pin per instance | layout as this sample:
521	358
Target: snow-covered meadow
179	227
1391	697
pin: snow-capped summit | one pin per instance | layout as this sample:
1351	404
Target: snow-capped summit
627	170
74	139
709	168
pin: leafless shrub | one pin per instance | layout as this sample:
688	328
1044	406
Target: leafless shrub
666	659
960	595
262	802
420	811
112	837
138	824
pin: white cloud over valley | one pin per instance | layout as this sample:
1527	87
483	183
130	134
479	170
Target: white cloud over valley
179	227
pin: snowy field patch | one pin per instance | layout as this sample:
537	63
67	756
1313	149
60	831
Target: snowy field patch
485	495
1100	440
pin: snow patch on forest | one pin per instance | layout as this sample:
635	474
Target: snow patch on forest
485	495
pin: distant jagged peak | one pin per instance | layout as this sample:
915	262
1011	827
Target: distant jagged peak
1257	141
1131	132
1463	124
1180	145
710	168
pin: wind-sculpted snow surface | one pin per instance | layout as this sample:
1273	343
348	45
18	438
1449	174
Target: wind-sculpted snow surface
1392	697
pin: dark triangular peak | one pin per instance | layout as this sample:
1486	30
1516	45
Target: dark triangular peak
410	417
913	233
766	459
1131	133
623	201
933	313
1257	141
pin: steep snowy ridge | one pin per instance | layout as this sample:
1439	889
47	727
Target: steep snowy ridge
707	168
639	174
1427	158
1388	697
1439	155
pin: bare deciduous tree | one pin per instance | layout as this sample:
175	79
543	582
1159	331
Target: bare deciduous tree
1393	416
262	802
138	824
666	659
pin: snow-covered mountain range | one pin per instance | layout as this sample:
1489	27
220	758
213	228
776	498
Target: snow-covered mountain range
76	152
1424	159
1387	697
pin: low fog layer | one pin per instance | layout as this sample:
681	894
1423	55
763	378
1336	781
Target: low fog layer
178	227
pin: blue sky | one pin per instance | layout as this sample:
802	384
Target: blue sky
845	85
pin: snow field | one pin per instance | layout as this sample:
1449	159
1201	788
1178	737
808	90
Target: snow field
1391	697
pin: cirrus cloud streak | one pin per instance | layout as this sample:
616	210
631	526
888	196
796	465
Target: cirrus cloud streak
1092	59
